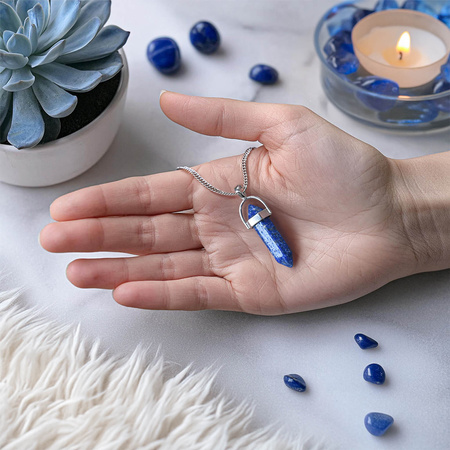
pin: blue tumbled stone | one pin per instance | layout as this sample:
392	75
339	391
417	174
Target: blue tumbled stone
164	54
365	342
375	374
272	238
410	113
444	14
442	85
263	74
381	86
383	5
205	37
343	62
378	423
341	41
359	14
421	6
295	382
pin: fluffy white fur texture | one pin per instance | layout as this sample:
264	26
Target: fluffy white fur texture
58	392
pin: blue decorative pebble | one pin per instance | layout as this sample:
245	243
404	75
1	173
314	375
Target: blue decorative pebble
343	62
378	423
341	41
205	37
421	6
365	342
295	382
382	5
444	15
442	85
411	113
264	74
359	14
375	374
381	86
164	54
272	238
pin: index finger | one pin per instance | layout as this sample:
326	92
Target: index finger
154	194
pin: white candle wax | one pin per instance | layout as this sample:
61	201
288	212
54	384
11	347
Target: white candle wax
375	40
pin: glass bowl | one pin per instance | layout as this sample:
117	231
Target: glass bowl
414	109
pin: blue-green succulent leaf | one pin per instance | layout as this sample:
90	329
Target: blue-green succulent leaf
49	56
83	35
2	69
59	24
108	67
21	79
12	60
37	17
52	128
69	78
32	34
19	43
5	96
56	102
55	6
11	3
46	7
22	7
9	20
99	8
27	126
2	44
107	41
7	35
6	125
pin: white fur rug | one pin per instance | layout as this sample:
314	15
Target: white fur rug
57	392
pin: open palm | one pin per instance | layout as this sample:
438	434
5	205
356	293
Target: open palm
332	198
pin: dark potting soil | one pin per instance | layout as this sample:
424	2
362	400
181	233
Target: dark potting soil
90	105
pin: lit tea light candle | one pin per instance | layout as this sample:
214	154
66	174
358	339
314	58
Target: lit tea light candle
405	46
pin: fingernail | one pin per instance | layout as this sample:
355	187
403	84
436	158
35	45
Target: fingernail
162	92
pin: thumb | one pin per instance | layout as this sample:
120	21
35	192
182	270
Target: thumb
234	119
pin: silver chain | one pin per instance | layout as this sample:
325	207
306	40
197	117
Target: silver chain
239	190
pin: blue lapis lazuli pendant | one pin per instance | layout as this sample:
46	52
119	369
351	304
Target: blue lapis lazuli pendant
259	219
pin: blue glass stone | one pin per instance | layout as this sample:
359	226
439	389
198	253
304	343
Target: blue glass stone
272	238
205	37
263	74
421	6
338	42
378	423
365	342
343	62
383	5
442	85
411	113
164	54
444	15
375	374
381	86
445	70
359	14
295	382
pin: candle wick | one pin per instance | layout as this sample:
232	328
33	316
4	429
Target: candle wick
400	55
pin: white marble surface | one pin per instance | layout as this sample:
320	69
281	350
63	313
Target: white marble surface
409	317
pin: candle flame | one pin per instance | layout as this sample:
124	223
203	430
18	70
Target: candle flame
404	44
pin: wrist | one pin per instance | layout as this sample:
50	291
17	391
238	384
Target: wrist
422	201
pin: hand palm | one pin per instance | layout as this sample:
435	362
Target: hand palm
331	199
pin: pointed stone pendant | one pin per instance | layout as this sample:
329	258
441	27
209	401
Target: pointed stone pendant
270	236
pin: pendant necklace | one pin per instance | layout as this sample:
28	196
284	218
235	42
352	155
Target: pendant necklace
257	217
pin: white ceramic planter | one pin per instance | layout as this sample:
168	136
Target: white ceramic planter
68	157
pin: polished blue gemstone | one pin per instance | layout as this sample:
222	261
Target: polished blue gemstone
164	54
341	41
382	5
375	374
359	14
421	6
444	15
205	37
343	62
365	342
263	74
340	18
272	238
381	86
295	382
377	423
410	113
441	85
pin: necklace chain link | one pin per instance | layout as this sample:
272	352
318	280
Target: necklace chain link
239	190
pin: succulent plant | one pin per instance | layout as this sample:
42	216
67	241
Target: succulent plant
49	50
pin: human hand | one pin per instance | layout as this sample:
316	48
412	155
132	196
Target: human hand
336	201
